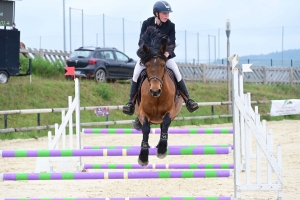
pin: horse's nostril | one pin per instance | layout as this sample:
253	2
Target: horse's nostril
156	93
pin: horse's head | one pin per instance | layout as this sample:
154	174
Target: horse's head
153	45
156	67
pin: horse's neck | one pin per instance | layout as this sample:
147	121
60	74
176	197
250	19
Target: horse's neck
168	85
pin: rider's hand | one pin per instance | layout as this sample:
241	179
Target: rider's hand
166	54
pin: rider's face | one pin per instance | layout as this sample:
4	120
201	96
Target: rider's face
164	16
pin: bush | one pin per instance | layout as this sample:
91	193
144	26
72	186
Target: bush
104	91
42	67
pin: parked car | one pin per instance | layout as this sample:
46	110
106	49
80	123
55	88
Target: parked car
102	64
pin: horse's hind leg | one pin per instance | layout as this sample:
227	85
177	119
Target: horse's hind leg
144	153
163	142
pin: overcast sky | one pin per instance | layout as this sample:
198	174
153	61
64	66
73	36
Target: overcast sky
256	25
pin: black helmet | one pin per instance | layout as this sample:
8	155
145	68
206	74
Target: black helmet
162	6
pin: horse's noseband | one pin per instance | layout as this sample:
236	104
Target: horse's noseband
156	78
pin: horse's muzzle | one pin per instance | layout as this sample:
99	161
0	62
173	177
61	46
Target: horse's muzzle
155	93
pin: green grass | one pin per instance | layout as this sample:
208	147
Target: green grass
52	92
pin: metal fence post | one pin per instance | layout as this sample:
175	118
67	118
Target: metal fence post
291	76
106	116
271	62
41	53
203	73
123	36
5	121
39	119
185	46
103	31
265	75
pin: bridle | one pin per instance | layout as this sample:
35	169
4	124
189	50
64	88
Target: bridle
155	77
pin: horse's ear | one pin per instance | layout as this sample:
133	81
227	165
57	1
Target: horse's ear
163	48
146	49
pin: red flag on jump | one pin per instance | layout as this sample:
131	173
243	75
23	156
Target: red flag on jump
70	71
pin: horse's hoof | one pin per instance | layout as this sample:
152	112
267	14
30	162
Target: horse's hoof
162	149
143	163
143	157
161	156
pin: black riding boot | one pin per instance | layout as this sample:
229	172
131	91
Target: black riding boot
191	105
128	109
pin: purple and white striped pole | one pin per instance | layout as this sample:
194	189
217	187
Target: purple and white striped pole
112	152
157	131
171	146
159	166
129	198
115	175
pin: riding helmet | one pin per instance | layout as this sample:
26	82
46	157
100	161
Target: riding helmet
162	6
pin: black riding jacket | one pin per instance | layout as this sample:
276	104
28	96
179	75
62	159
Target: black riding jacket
167	28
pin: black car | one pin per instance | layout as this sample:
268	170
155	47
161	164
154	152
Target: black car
101	63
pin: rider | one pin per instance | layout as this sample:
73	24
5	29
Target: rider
160	20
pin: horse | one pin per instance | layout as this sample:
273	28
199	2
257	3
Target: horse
159	102
22	46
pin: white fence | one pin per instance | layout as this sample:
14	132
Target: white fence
50	55
64	164
260	75
201	72
246	123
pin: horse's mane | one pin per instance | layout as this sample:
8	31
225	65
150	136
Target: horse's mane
153	39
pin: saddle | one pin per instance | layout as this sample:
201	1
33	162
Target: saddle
143	76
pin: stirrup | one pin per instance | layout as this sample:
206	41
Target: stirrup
128	109
191	105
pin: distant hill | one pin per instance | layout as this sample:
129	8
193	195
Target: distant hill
292	54
290	58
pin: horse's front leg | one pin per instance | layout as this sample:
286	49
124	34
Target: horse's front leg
163	142
144	153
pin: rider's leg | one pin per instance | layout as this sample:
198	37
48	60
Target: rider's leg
191	105
129	107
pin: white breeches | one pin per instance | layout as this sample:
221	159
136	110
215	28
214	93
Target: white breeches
171	64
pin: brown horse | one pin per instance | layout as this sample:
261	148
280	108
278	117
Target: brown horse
159	103
22	46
